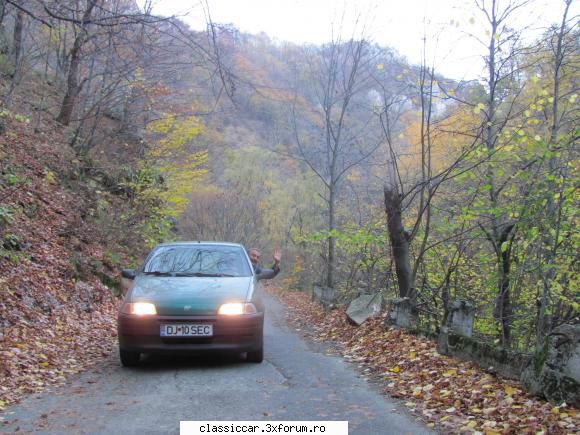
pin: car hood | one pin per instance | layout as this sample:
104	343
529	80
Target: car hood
186	296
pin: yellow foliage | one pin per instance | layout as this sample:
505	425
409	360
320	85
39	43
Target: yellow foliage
177	132
447	139
174	156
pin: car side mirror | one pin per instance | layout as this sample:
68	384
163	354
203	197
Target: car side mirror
128	273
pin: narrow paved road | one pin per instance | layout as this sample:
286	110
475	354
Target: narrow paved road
294	383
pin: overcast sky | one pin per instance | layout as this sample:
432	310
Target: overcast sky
399	24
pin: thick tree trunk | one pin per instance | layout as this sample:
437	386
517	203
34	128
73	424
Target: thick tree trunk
73	87
16	57
17	40
400	242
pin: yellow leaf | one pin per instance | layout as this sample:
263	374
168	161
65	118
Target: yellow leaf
510	391
412	355
472	424
44	364
430	425
450	373
396	369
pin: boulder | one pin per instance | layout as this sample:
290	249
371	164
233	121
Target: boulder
461	316
402	314
555	371
326	296
364	307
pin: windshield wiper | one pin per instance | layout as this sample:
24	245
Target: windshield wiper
203	274
158	273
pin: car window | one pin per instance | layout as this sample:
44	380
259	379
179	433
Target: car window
199	260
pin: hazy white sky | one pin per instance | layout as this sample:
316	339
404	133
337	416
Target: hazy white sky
400	24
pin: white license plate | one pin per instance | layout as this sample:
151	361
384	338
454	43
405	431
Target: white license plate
186	330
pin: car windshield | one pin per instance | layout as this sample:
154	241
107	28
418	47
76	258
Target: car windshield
198	260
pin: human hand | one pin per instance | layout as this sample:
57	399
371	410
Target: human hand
277	256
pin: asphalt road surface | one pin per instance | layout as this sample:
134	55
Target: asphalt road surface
296	382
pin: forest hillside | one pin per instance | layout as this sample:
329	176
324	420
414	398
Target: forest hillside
120	129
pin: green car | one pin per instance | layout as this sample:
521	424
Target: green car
192	297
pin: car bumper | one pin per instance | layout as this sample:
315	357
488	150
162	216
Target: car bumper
231	334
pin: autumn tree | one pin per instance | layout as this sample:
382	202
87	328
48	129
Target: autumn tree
331	141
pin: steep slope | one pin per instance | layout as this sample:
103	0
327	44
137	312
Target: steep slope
56	316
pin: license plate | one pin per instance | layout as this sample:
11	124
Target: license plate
186	330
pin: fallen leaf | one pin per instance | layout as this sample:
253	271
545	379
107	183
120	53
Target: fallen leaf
510	391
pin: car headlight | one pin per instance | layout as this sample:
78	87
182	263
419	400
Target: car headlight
140	308
237	308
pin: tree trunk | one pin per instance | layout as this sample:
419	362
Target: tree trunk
503	308
331	241
400	242
17	40
16	57
73	87
548	275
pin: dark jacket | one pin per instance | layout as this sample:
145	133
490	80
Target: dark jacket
263	273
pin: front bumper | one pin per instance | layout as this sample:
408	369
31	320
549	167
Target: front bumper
232	334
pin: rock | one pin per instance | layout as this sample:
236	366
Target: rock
402	314
364	307
326	296
505	362
555	371
461	316
459	322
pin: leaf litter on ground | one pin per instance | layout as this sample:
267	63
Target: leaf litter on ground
448	394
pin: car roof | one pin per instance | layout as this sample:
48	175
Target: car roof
191	243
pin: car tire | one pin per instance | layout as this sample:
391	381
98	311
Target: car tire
256	356
128	358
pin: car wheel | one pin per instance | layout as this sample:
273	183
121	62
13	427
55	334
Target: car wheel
128	358
256	356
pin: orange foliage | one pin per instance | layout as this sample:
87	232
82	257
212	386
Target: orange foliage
448	137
